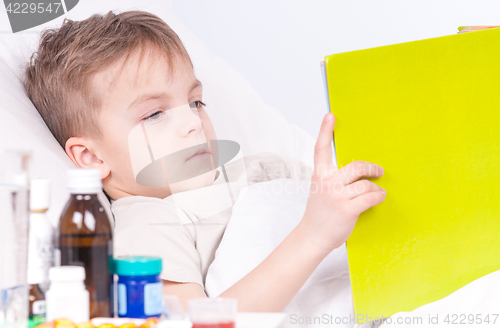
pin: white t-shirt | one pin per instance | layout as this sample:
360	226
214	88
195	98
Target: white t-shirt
185	228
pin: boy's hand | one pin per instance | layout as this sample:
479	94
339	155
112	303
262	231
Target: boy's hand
337	197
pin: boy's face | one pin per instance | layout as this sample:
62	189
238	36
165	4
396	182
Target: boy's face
146	95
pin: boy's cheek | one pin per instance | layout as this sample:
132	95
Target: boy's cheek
208	127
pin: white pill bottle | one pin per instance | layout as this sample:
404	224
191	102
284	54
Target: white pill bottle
67	296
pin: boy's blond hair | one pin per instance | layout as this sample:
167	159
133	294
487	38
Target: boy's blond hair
57	76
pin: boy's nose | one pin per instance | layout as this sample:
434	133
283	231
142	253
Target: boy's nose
187	120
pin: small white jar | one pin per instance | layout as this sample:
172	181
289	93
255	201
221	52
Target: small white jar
67	296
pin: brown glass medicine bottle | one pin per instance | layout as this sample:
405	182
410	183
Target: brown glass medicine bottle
84	237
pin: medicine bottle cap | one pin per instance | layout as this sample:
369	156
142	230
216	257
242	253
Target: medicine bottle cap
39	194
67	273
137	265
84	181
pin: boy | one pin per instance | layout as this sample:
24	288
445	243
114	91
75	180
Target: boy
103	83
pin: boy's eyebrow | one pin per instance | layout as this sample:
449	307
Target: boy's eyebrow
151	96
145	97
197	83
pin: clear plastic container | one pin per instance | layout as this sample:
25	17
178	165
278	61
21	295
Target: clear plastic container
219	312
14	227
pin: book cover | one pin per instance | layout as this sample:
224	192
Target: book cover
428	112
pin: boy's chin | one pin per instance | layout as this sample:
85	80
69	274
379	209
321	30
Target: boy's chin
200	181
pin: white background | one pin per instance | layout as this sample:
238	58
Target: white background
277	45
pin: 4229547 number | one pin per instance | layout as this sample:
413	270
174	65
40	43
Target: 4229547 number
25	8
469	319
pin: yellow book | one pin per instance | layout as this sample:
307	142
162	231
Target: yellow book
475	28
428	112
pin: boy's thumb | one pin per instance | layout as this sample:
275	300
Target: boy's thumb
323	149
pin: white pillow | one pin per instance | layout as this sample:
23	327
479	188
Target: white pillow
238	113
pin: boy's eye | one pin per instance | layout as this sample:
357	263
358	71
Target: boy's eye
153	116
197	104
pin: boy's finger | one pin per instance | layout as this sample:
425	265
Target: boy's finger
367	200
323	148
359	169
360	187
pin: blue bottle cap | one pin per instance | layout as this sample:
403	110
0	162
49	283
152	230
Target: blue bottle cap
137	265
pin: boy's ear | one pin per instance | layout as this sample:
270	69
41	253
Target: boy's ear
80	151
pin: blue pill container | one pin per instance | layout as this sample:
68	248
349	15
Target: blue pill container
139	286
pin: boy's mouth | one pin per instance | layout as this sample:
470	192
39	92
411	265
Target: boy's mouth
200	153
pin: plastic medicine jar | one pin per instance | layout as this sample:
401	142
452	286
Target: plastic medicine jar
139	286
67	296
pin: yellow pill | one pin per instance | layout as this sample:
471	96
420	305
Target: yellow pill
150	323
64	323
107	325
128	325
85	325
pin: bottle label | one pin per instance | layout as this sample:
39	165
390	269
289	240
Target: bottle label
152	298
122	299
41	252
39	307
46	253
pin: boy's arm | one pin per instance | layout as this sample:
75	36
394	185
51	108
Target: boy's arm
331	213
183	290
273	283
